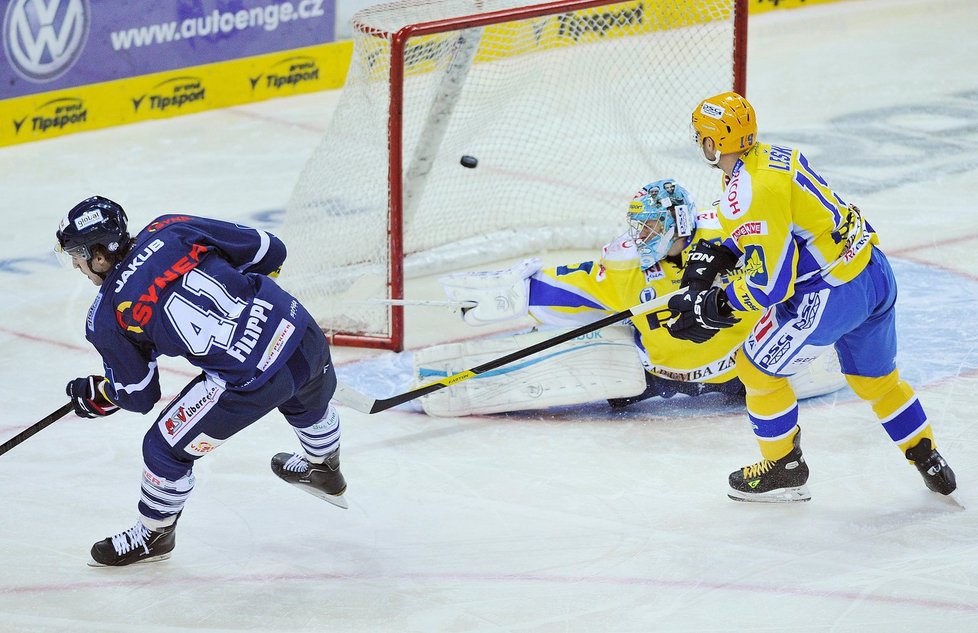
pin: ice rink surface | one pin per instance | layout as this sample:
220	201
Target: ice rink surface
564	521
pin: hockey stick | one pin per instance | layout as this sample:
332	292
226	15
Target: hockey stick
429	303
352	398
34	428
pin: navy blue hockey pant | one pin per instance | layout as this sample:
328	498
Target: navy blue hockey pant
205	415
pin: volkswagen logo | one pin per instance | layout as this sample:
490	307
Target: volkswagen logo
44	38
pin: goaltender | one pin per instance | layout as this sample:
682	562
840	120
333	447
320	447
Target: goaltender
644	263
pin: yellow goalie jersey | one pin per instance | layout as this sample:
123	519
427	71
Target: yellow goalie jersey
793	232
582	293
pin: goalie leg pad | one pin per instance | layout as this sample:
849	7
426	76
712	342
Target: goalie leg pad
597	366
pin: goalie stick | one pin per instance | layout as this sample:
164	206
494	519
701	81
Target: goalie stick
34	428
354	399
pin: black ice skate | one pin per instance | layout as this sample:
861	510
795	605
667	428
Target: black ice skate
322	480
769	481
936	473
138	544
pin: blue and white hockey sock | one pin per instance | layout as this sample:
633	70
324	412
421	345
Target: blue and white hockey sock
321	438
161	500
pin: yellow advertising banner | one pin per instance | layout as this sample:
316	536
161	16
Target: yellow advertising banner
174	93
763	6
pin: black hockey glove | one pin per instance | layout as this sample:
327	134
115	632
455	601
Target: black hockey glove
701	315
88	397
705	261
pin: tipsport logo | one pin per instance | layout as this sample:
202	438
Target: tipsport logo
53	116
177	92
287	73
44	38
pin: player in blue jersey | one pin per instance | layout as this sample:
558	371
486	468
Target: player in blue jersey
815	273
202	289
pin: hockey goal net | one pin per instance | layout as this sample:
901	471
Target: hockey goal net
569	107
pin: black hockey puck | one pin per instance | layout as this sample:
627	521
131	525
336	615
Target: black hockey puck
469	161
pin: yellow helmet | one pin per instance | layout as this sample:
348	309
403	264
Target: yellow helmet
729	120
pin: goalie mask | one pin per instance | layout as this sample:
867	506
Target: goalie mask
659	215
95	221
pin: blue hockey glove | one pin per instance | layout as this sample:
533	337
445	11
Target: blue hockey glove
701	315
88	397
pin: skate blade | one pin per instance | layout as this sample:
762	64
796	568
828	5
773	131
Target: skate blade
337	500
952	499
778	495
152	559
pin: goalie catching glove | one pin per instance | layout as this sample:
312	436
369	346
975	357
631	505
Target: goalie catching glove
499	295
88	397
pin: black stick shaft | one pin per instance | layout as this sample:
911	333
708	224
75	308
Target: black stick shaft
34	428
649	306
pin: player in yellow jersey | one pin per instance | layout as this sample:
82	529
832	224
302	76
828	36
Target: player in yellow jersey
639	265
815	274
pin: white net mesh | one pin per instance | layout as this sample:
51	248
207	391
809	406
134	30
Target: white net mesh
568	114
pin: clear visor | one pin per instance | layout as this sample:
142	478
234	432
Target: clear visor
697	140
698	145
67	256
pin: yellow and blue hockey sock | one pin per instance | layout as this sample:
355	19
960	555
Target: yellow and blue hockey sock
897	407
771	407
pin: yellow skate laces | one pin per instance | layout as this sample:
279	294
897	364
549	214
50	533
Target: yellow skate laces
756	470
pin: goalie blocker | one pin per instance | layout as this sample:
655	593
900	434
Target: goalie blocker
602	365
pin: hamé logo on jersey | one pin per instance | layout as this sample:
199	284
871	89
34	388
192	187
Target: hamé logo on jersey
749	228
44	38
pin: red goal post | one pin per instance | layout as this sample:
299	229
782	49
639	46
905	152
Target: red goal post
568	107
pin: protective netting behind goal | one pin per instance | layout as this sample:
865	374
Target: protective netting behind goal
568	113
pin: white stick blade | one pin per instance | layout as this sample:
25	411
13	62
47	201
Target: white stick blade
349	397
